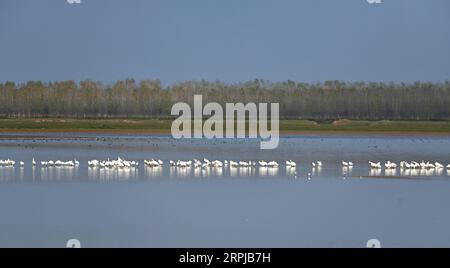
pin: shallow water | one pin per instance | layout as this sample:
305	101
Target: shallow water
241	207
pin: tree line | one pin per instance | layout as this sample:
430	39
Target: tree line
329	100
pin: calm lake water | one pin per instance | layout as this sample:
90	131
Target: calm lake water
243	207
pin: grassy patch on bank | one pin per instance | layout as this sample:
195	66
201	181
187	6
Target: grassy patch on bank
85	124
367	126
156	125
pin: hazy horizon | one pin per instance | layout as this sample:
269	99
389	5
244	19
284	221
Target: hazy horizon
231	41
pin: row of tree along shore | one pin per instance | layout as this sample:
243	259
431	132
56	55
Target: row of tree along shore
149	99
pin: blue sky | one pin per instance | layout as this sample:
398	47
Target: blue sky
229	40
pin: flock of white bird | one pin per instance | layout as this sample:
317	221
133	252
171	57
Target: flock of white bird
117	163
9	163
408	165
217	163
57	163
123	163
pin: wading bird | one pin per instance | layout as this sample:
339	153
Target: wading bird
291	163
375	165
390	165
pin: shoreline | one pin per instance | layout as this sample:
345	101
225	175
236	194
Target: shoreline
10	128
10	134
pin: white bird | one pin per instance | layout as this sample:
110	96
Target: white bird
423	164
243	164
181	163
33	162
21	163
233	163
404	164
291	163
197	163
151	163
10	162
272	164
93	163
438	165
390	165
375	165
415	165
217	163
448	166
345	164
262	163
